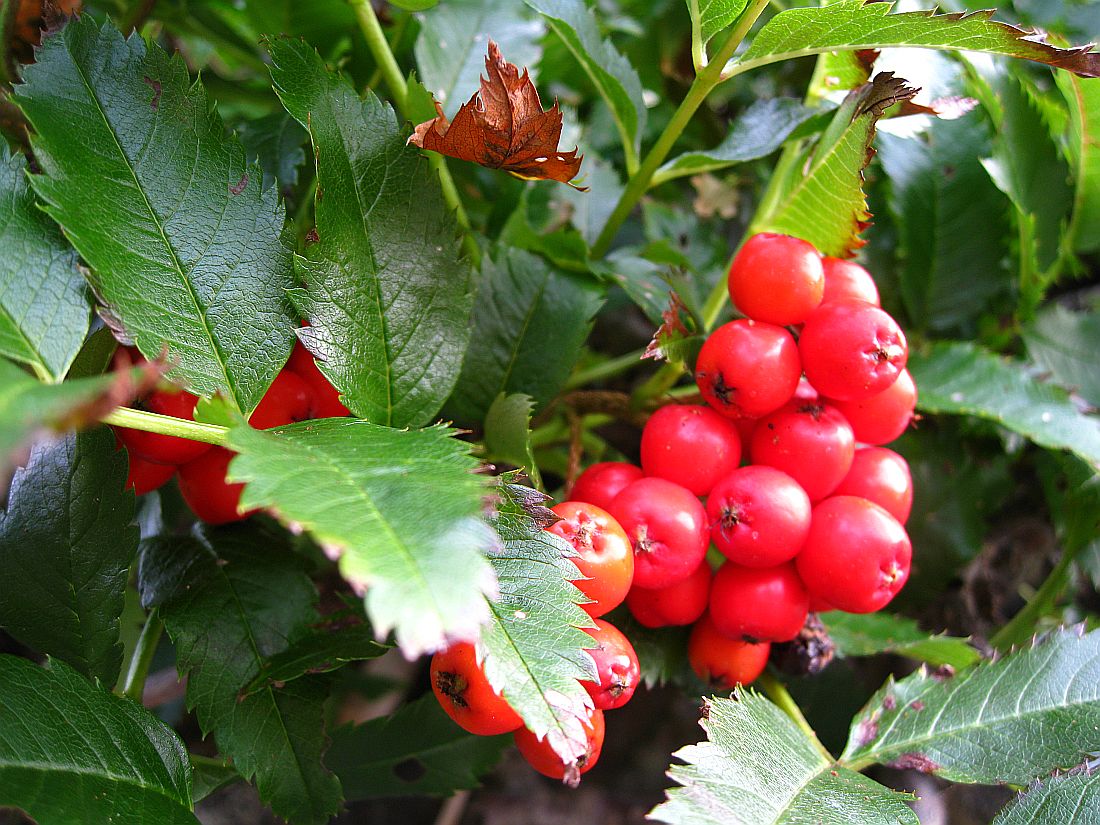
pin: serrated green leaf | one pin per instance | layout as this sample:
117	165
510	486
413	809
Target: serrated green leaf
207	778
711	16
454	38
855	24
66	545
1009	721
44	309
873	633
1065	344
400	508
757	768
387	295
1083	98
190	254
827	206
244	597
965	379
327	647
759	131
614	78
1061	800
508	431
73	753
276	143
417	750
530	322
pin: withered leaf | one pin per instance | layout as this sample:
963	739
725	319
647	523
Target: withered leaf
503	126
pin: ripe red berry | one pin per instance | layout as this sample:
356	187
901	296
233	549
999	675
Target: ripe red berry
606	559
722	661
882	476
852	350
164	449
617	665
691	445
325	402
207	493
847	280
747	369
812	443
464	692
288	399
882	418
601	482
540	755
777	279
145	476
759	516
678	604
856	556
667	527
758	604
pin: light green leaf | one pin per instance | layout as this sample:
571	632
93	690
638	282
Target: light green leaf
711	16
964	379
71	752
190	254
508	433
399	507
414	5
1062	800
1065	344
1083	98
873	633
1009	721
44	309
757	768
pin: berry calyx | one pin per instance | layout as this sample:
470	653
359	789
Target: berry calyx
747	369
463	691
759	516
852	350
605	557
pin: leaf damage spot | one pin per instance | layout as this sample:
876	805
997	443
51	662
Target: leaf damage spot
866	731
240	186
914	761
156	87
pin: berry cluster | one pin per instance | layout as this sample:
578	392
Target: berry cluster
299	392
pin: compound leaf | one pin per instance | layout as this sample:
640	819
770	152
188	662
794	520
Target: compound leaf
1062	800
872	633
711	16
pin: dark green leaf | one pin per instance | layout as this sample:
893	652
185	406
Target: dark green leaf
44	310
530	322
757	768
964	379
417	750
66	545
662	652
327	647
190	254
400	508
1013	720
275	142
387	296
508	431
1065	344
207	778
645	282
1061	800
70	752
1083	97
244	598
590	210
873	633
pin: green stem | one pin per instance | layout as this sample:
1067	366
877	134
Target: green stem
605	369
167	425
197	759
778	693
702	86
657	385
1023	625
134	686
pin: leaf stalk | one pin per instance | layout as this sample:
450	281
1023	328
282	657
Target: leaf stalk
168	425
138	672
778	693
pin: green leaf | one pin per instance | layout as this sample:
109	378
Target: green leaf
614	78
1062	800
242	598
1083	98
1065	344
66	545
854	24
190	253
44	310
206	778
275	143
827	206
1009	721
70	752
759	131
530	322
387	296
454	39
508	431
873	633
757	768
711	16
662	653
400	508
414	5
416	751
964	379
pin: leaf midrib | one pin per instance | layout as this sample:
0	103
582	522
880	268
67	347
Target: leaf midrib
67	770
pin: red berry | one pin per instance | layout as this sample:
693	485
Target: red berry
883	417
207	493
691	445
540	755
758	604
847	280
164	449
882	476
722	661
856	556
852	350
464	692
759	516
777	279
287	400
325	401
812	443
606	559
667	527
747	369
678	604
145	476
617	665
601	482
